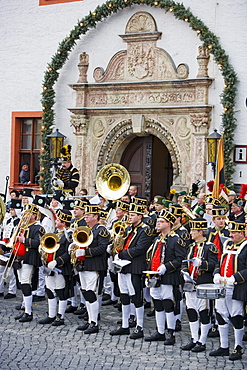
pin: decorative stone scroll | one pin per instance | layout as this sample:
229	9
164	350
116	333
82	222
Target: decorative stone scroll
142	60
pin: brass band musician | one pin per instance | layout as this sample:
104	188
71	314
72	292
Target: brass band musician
59	271
30	238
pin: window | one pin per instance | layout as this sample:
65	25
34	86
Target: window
48	2
25	145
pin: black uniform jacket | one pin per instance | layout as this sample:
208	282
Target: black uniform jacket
33	234
77	222
239	267
61	256
240	217
212	232
209	257
138	246
95	253
183	233
173	251
70	178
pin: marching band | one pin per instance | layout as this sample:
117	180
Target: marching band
170	250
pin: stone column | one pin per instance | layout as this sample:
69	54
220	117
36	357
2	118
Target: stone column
80	124
200	124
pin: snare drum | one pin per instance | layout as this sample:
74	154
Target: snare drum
210	291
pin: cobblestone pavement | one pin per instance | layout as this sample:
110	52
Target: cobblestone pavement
34	346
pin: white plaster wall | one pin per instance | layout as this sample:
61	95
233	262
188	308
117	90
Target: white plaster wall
30	35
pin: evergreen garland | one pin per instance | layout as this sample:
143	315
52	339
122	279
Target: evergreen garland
227	98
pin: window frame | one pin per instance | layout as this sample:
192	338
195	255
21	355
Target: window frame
49	2
17	118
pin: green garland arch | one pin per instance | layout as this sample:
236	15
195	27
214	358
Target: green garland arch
227	97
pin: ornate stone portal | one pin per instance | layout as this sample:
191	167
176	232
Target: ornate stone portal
142	92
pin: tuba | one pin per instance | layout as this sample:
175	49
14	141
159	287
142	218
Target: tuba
113	181
82	237
49	244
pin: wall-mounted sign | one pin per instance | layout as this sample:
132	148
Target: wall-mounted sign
240	154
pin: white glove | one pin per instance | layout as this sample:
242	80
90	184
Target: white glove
231	280
60	183
71	247
217	278
51	265
116	258
108	249
161	269
187	277
196	261
80	253
57	182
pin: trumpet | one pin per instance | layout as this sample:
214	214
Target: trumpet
18	249
49	244
82	237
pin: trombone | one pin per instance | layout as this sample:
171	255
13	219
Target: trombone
23	223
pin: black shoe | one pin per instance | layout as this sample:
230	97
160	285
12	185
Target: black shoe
199	347
38	298
106	297
178	326
120	331
220	352
117	305
170	339
83	327
26	317
213	333
1	294
109	302
151	313
47	320
9	296
132	322
20	307
147	305
93	328
236	354
137	333
188	346
71	309
155	337
80	311
18	317
58	321
83	316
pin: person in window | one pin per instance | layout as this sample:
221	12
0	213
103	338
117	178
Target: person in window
25	173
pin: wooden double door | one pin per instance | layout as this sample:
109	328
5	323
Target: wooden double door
149	164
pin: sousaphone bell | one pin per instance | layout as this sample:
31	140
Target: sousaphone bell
113	181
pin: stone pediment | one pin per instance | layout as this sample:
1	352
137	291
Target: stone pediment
143	60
